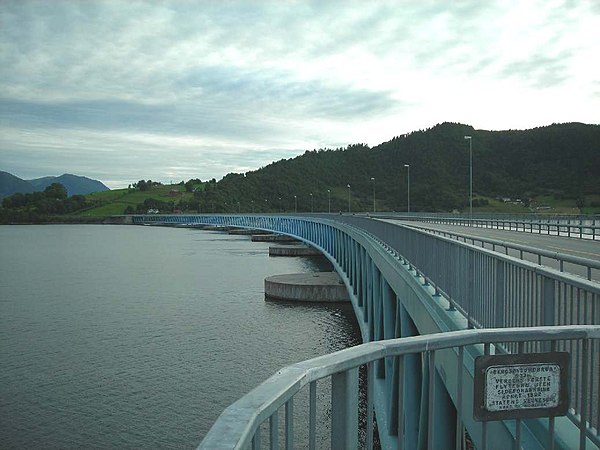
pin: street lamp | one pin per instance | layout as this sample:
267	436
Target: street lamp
329	200
348	199
408	183
373	180
252	201
280	205
470	179
311	203
295	204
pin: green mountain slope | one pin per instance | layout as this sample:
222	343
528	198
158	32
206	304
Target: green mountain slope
561	160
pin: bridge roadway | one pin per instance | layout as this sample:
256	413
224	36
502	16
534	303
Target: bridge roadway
424	400
583	248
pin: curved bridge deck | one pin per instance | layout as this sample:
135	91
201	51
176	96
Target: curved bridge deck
404	283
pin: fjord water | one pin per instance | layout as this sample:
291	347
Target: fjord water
139	337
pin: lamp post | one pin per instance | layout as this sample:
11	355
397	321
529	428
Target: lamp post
470	179
280	205
252	201
295	204
408	188
311	203
329	200
373	180
348	199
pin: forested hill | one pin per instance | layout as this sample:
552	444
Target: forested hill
561	160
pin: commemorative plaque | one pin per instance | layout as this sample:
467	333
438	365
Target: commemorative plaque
521	386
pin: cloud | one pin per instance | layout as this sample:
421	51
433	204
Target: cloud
539	70
121	87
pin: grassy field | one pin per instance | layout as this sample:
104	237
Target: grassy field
497	206
542	204
114	202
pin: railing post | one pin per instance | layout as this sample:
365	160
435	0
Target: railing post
274	430
344	410
411	378
584	394
549	302
370	405
289	424
312	419
256	440
500	295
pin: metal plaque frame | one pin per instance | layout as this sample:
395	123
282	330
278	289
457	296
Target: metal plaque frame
521	386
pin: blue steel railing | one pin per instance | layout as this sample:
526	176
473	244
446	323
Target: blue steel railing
253	420
489	289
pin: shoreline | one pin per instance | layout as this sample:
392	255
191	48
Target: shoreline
66	220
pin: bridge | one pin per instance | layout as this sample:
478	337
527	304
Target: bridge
428	306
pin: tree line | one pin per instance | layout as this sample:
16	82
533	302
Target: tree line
38	206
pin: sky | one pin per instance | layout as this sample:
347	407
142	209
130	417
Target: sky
124	90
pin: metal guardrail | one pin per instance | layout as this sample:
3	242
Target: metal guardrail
593	219
245	423
580	227
492	290
560	258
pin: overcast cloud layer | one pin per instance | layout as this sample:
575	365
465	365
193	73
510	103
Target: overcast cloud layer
127	90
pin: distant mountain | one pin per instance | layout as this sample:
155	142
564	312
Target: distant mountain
9	184
75	185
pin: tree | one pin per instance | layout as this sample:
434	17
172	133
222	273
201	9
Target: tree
142	185
56	191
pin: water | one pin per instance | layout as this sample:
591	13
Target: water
139	337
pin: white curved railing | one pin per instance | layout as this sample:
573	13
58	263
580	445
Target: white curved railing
239	426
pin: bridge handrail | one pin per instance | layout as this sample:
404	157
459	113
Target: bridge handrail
542	270
587	263
561	225
236	427
530	217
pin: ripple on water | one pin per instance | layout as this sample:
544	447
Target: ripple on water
138	337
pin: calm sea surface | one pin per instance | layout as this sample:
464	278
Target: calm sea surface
139	337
